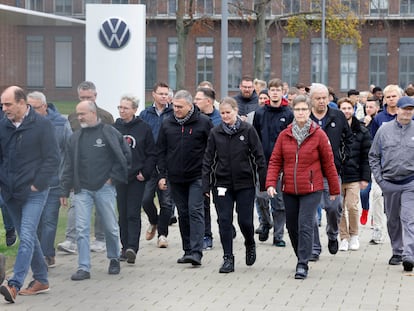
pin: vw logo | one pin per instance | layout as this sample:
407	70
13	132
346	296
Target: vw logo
114	33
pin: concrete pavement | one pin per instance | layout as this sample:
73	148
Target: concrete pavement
353	280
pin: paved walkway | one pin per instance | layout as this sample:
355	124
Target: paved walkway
359	280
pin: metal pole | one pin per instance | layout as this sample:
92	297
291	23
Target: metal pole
323	51
224	78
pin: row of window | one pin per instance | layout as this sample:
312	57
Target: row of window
378	56
67	7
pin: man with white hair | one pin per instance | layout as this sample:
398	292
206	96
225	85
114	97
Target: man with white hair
335	125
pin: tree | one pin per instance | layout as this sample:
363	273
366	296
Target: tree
342	24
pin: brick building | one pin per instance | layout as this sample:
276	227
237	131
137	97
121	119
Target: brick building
42	45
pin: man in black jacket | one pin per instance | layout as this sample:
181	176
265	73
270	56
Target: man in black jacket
97	158
334	124
29	158
182	141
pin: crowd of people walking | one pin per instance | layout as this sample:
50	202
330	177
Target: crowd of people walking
291	152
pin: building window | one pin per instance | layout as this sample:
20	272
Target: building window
172	60
234	63
316	64
291	6
378	7
351	4
406	61
290	61
63	61
63	7
35	5
205	58
349	61
378	62
150	63
35	61
119	1
407	7
172	7
205	7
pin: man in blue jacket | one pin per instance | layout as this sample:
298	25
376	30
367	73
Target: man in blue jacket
29	158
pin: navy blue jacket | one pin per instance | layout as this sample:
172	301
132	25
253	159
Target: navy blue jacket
29	155
269	122
380	118
150	116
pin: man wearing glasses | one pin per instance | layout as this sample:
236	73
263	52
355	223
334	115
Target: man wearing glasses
247	100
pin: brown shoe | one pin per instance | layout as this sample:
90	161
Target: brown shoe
150	233
9	293
34	288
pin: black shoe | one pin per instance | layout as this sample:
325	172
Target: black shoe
333	246
265	234
228	264
301	273
11	237
173	220
408	266
183	259
395	260
114	267
250	254
2	268
314	257
194	259
279	243
259	229
130	255
80	275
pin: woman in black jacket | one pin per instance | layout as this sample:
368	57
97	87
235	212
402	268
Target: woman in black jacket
139	137
232	162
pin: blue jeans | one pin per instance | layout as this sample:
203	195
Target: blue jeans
364	194
7	221
189	200
104	201
46	231
26	217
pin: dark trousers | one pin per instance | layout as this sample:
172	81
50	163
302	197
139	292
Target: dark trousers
364	194
129	199
189	199
207	217
244	200
165	203
300	221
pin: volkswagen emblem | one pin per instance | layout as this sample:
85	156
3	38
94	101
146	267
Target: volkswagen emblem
114	33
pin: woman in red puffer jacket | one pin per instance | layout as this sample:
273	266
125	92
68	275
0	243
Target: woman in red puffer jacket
304	155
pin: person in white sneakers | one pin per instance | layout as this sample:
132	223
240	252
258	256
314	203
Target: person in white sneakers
356	175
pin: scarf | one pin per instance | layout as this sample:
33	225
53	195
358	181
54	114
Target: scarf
232	129
186	118
300	133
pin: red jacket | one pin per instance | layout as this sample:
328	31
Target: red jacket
303	167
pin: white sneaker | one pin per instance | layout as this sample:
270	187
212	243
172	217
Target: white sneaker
343	247
98	246
67	247
162	242
354	243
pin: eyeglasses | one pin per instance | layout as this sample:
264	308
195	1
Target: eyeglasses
37	107
300	109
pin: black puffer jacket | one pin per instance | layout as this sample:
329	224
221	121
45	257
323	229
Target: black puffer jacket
356	168
181	147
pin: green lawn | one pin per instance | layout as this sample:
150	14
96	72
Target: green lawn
11	252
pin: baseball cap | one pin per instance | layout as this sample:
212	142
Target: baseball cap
405	101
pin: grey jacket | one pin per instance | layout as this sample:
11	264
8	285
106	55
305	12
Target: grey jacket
391	156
